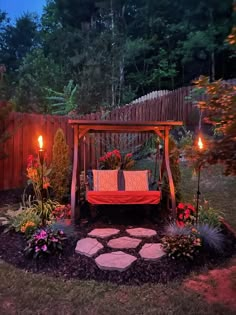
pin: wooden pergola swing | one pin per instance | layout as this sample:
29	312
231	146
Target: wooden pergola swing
82	127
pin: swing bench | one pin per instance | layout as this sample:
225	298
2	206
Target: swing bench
121	195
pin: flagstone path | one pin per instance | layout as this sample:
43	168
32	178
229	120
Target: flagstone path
119	260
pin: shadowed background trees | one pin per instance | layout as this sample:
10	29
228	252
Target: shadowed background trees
113	50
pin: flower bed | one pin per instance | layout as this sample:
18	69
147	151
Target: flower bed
68	264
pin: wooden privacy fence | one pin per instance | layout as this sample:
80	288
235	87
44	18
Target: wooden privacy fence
25	129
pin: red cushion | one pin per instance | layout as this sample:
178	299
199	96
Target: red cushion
123	197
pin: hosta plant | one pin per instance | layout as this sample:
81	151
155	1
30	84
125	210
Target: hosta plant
21	220
45	242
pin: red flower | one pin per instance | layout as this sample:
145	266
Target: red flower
191	207
187	213
181	206
181	216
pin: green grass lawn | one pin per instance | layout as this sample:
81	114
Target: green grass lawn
26	293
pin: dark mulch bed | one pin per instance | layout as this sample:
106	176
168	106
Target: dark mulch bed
71	265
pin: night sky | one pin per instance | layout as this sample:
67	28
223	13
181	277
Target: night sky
15	8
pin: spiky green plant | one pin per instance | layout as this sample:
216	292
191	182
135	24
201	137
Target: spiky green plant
59	176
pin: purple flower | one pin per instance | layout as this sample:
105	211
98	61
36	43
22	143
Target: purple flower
37	249
44	248
54	240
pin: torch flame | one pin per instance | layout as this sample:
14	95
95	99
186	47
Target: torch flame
40	140
200	144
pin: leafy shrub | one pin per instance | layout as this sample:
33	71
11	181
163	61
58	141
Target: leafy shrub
60	165
182	246
208	215
45	242
211	236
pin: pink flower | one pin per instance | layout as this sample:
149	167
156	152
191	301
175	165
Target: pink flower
44	248
37	249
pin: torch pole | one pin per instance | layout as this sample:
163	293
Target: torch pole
198	192
41	160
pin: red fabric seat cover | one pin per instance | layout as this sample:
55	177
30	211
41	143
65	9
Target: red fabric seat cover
123	197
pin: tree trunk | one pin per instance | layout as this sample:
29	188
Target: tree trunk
112	66
213	66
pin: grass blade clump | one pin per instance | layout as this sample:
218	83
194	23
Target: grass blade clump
211	236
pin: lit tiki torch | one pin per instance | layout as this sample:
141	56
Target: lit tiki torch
41	153
41	150
200	146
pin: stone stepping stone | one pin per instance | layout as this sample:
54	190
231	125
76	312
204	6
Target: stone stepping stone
88	247
103	233
151	251
124	242
141	232
119	261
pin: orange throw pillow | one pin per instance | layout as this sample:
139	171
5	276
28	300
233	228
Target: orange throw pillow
105	180
136	180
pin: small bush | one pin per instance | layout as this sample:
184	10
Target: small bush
45	242
60	166
182	246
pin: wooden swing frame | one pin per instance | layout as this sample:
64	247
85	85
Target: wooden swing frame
82	127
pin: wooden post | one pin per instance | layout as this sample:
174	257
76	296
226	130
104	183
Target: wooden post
74	172
169	174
